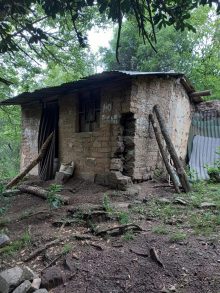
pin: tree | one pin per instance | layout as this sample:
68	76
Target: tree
29	71
31	21
195	54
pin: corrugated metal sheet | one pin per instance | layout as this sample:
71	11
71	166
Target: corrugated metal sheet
203	152
206	124
93	80
204	139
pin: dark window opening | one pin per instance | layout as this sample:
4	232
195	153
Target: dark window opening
89	111
128	122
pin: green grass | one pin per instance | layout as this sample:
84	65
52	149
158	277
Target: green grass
202	221
3	211
139	209
107	205
17	245
129	235
123	218
53	198
163	212
4	201
161	230
204	192
67	248
4	222
178	236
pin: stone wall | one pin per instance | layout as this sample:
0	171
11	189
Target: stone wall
179	118
29	143
175	107
92	151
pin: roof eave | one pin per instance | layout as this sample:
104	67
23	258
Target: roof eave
106	76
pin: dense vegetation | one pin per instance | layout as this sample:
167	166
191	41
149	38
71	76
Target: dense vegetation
195	54
44	43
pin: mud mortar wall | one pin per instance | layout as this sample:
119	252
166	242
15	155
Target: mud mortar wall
175	107
114	147
92	151
29	142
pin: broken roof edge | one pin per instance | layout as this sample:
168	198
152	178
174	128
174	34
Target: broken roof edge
113	76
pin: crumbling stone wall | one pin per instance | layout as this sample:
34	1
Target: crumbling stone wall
31	115
93	152
175	107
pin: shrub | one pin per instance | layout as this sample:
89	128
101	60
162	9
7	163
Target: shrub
53	198
214	170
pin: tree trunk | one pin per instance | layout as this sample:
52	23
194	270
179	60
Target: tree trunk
177	163
164	155
40	192
40	156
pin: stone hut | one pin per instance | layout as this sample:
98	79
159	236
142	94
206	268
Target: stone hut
101	123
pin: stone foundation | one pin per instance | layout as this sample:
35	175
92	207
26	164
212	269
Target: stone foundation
114	180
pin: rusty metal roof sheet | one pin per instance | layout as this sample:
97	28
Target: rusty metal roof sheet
87	82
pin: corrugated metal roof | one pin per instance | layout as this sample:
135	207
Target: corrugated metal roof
203	153
86	82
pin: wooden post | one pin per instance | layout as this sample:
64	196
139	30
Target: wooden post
164	155
177	163
40	156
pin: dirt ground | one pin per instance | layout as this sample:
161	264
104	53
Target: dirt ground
122	261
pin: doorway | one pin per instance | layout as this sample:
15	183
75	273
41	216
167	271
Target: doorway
48	124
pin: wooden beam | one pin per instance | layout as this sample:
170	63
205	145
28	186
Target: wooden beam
177	163
187	86
164	155
40	156
200	94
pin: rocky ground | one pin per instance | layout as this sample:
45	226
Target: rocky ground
147	239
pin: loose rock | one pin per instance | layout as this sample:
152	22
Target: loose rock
10	279
163	200
179	200
70	263
41	291
11	192
208	205
28	274
35	284
23	288
4	240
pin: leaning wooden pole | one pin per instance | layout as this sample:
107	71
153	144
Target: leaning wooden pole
177	163
163	154
40	156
